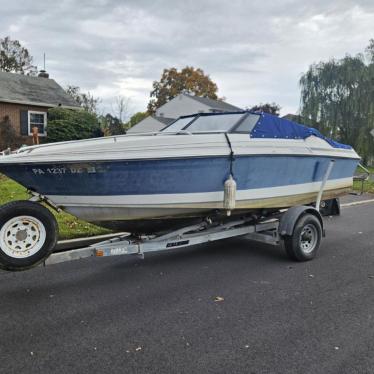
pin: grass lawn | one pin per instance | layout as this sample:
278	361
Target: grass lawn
368	185
70	226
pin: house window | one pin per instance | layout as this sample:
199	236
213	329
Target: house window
39	120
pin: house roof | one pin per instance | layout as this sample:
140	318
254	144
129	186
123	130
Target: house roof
150	124
214	104
164	120
38	91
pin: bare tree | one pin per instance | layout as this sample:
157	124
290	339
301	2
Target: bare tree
122	108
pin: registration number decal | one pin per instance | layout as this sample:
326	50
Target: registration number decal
86	169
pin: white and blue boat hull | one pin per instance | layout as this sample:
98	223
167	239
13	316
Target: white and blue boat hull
152	185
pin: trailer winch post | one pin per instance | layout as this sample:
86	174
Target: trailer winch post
324	180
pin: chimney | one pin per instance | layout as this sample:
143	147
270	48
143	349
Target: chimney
43	74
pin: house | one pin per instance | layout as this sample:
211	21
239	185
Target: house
25	100
181	105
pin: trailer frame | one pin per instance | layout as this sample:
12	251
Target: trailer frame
208	231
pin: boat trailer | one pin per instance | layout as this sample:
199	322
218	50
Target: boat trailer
207	231
267	230
299	227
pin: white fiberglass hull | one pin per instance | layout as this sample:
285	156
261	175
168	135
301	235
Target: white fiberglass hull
129	180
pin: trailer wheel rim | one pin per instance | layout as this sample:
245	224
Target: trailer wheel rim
22	237
308	238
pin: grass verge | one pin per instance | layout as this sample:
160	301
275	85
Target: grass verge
368	185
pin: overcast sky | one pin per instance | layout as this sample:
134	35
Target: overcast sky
254	50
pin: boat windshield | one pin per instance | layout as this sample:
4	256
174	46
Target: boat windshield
179	124
247	124
242	122
215	123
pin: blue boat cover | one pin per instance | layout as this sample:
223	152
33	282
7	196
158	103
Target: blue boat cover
271	126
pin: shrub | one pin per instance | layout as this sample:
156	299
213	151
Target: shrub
68	124
8	137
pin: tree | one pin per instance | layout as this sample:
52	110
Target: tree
370	50
121	108
337	97
67	124
14	58
174	82
8	137
271	108
136	118
111	125
86	100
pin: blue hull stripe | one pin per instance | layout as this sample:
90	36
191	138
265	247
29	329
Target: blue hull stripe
169	176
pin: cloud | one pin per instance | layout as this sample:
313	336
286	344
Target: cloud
256	51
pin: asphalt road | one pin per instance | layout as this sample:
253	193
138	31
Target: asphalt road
229	307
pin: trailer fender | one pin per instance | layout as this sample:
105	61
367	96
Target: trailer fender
291	216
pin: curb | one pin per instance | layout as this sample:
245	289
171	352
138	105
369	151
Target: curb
361	202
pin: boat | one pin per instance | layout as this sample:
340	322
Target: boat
150	182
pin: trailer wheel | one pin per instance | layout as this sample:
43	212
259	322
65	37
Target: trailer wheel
28	235
303	244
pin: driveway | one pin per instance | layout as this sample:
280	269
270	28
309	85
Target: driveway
227	307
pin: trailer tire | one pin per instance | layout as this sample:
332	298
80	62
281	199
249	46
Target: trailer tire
28	235
303	244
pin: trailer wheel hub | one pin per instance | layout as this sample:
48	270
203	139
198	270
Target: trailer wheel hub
22	237
308	238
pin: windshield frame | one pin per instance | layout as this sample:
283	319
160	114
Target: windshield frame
194	117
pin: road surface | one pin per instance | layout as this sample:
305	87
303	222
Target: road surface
227	307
